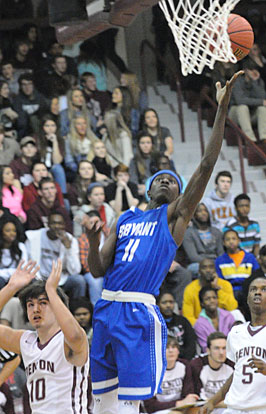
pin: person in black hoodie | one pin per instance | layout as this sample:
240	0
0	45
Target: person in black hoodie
202	240
177	326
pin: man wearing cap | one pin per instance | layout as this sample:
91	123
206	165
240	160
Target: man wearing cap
21	166
129	333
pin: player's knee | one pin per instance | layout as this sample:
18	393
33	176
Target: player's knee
106	403
128	407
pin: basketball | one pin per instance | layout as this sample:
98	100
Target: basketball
241	35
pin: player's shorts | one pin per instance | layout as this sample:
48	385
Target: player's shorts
128	348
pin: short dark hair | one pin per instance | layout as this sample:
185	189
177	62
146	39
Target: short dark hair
55	57
223	174
162	293
25	76
46	180
34	290
228	231
86	75
35	163
121	168
93	213
262	251
81	302
171	340
6	62
249	64
242	196
205	289
213	336
55	213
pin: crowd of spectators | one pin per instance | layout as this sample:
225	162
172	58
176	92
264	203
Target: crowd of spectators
70	147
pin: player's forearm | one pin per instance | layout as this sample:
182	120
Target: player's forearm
8	368
95	260
220	395
74	335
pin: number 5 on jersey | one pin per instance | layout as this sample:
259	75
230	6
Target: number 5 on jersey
130	250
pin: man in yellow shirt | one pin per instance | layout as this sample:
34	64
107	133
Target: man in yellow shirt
207	277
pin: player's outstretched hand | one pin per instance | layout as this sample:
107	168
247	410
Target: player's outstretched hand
223	94
206	408
93	226
53	279
257	364
23	275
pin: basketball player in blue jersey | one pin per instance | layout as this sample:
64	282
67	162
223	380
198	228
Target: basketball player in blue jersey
129	333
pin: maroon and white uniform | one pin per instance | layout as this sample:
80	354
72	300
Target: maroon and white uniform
54	385
207	381
248	389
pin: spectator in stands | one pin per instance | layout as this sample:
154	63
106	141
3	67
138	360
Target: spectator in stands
255	55
77	191
29	105
12	250
22	59
162	137
30	31
211	371
248	102
8	116
9	148
207	277
123	193
95	285
82	310
178	326
11	76
95	201
12	315
177	387
201	240
101	162
139	97
76	106
79	143
46	203
211	318
58	82
52	150
122	101
235	265
248	230
46	245
11	193
140	165
21	166
91	59
117	138
97	101
30	192
260	272
220	201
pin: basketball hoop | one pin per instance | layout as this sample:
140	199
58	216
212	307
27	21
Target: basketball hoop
200	32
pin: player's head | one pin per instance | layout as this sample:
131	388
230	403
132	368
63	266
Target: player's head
216	347
256	299
223	181
166	303
164	187
207	271
208	299
231	241
242	205
82	310
34	301
172	350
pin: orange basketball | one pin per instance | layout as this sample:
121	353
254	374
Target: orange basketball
241	35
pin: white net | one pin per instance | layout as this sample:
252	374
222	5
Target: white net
200	32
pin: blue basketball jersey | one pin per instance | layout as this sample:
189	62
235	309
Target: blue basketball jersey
144	252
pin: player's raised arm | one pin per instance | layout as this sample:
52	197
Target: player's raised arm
99	261
23	275
182	210
76	343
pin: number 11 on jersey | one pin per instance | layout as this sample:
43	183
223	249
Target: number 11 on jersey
130	250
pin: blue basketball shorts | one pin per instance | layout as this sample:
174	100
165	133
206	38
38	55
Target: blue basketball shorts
128	349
